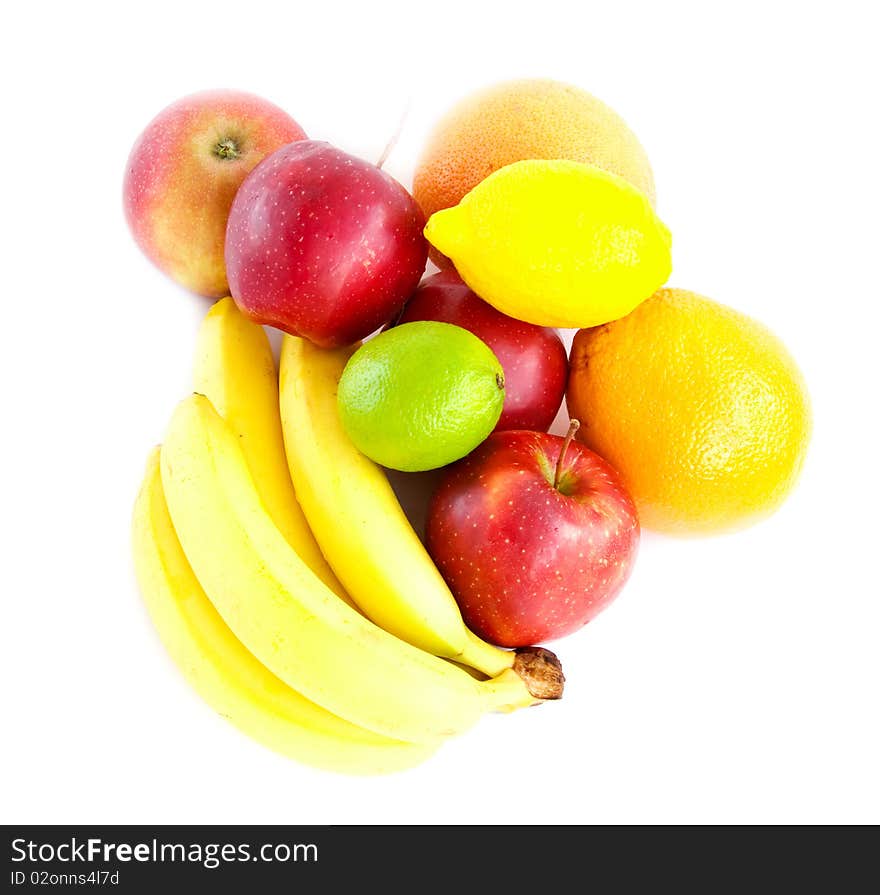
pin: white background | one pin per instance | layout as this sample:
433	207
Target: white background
735	679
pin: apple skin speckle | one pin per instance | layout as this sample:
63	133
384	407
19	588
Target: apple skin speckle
526	561
344	238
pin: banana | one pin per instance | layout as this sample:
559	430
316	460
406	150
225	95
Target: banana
356	518
235	370
289	619
225	674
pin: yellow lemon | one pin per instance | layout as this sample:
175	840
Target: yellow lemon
556	243
701	409
516	120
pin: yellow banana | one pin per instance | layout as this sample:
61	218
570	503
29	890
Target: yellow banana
288	618
225	674
235	370
358	521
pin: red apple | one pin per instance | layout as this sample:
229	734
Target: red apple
323	245
183	173
533	357
534	535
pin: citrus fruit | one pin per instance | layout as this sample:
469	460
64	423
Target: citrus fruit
524	119
556	243
701	409
420	395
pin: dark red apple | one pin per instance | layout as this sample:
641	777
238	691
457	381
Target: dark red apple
323	244
533	357
534	535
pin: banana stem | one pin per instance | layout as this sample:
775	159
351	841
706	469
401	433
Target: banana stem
506	693
491	660
536	676
534	669
541	672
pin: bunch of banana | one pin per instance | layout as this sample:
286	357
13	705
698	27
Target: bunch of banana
242	579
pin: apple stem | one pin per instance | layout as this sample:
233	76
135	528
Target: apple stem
395	136
227	149
573	426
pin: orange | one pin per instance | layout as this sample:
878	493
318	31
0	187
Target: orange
701	409
524	119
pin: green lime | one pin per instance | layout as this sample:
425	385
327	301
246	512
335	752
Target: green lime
420	395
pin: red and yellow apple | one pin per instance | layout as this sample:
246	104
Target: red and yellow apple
534	534
183	173
533	357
